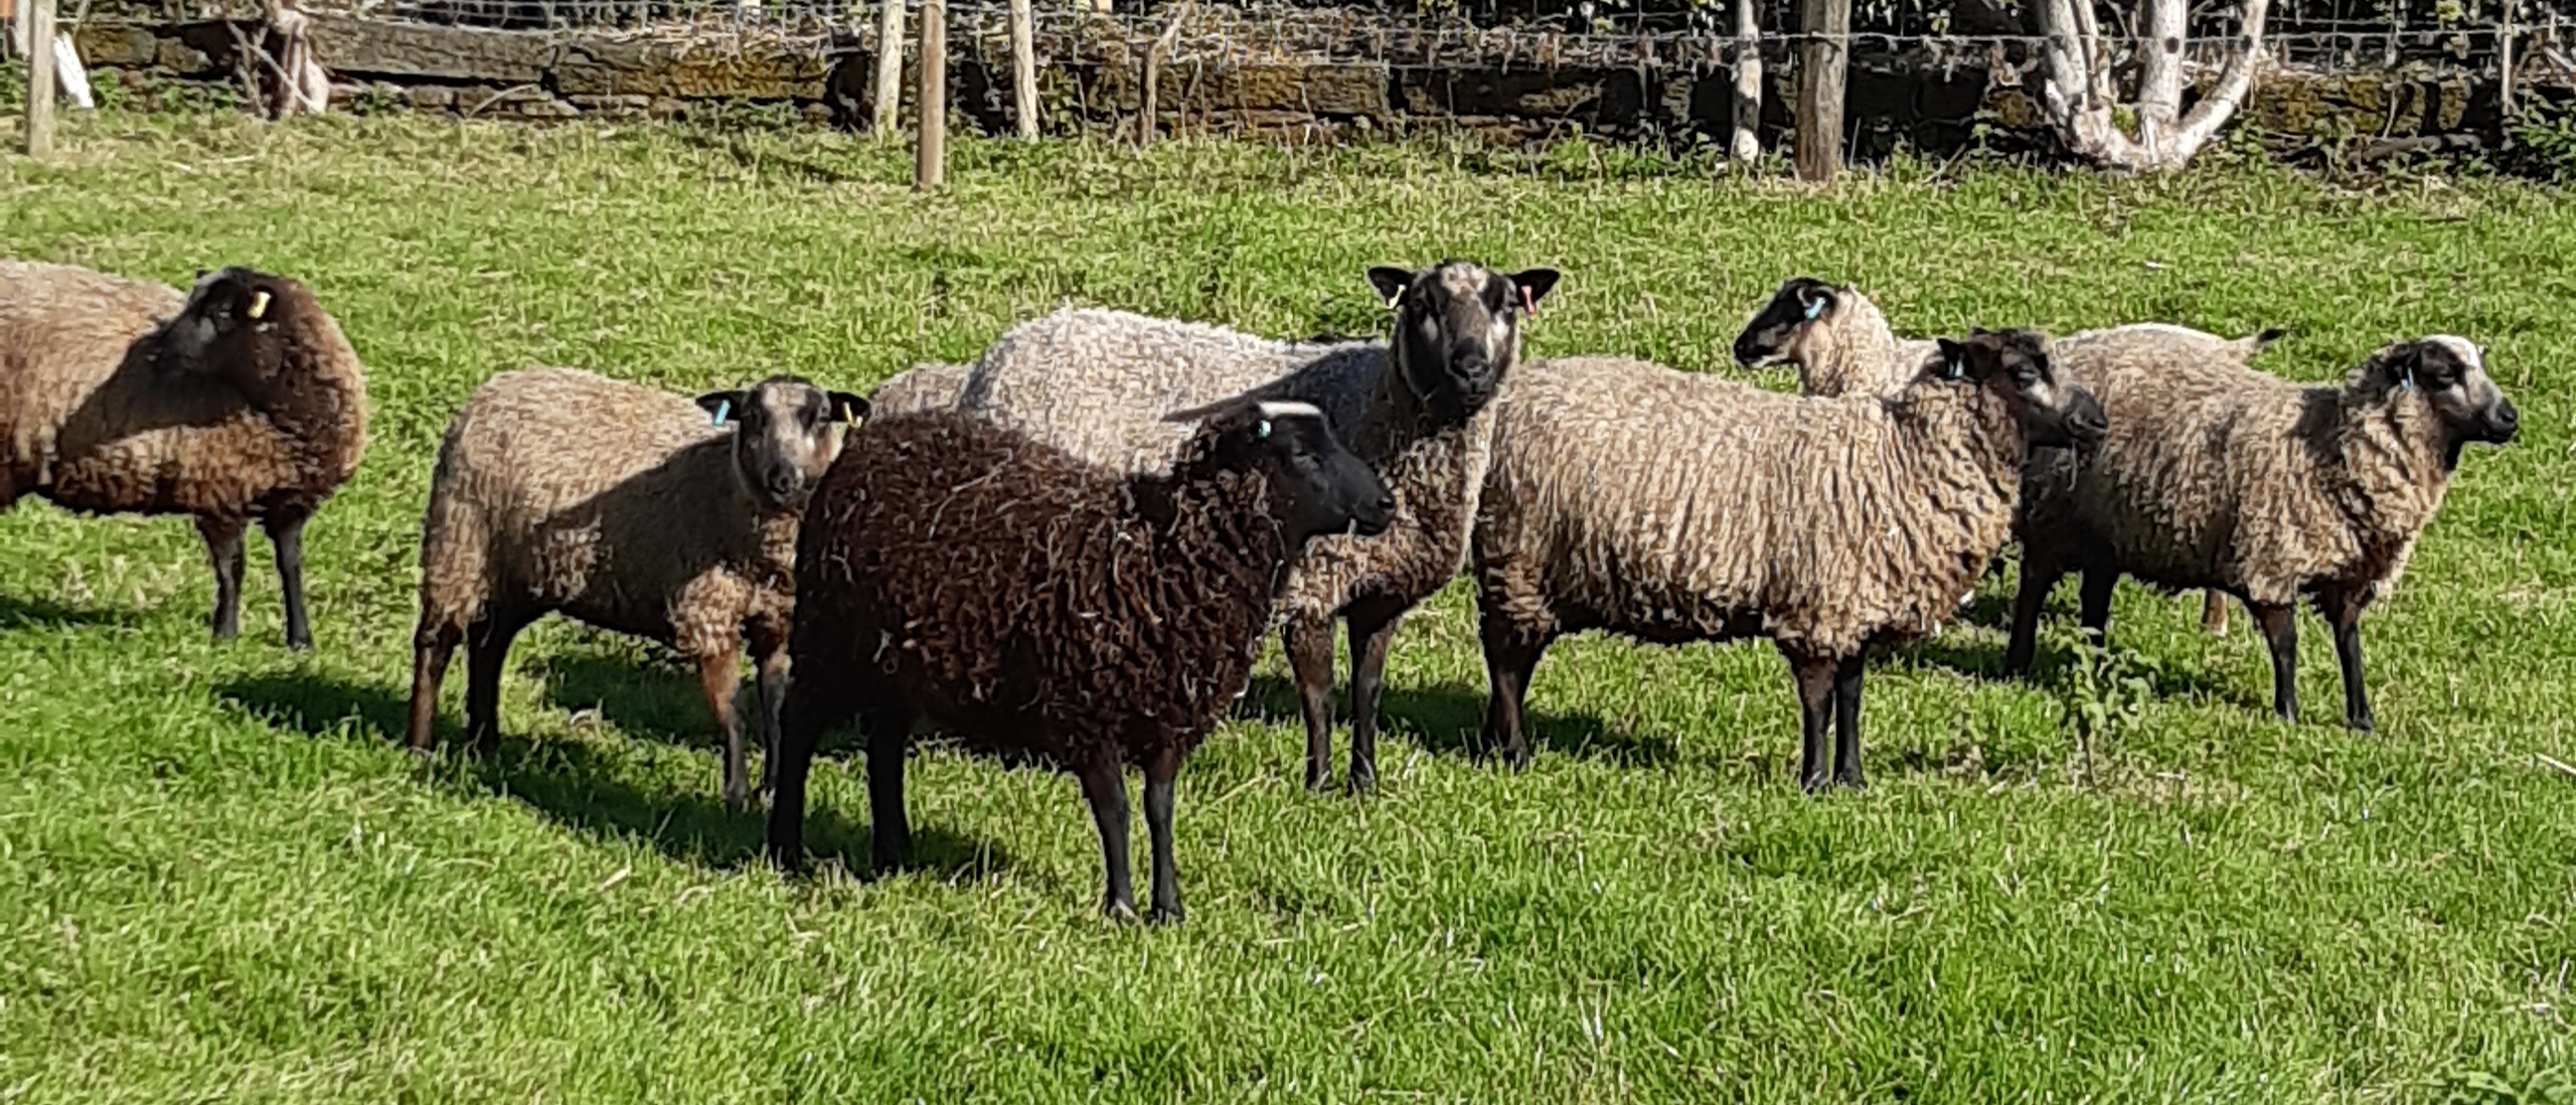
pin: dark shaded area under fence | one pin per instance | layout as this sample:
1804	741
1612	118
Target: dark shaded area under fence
1935	105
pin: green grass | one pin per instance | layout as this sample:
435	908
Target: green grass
219	879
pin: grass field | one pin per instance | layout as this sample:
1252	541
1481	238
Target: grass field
219	879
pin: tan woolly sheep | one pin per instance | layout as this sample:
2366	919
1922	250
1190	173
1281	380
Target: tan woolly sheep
1098	383
1673	507
632	510
1837	339
2218	476
919	388
239	400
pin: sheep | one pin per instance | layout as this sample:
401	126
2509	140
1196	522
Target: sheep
1674	507
2181	343
2222	477
1092	382
921	387
1838	340
955	572
237	400
627	508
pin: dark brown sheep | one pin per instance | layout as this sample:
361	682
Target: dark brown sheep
238	400
958	574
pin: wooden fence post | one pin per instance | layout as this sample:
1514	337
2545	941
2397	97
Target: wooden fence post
1024	68
930	153
1822	64
1154	58
40	78
889	68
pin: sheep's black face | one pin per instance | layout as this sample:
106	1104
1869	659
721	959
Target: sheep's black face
2015	365
234	325
787	432
2451	375
1457	330
1773	334
1317	486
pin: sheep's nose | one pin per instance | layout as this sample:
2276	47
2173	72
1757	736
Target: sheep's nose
1746	352
785	482
2506	420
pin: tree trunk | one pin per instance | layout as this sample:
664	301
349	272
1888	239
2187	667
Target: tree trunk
930	153
889	68
1746	148
2077	98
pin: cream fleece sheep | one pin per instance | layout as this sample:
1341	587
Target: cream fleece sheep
1837	339
2218	476
1675	507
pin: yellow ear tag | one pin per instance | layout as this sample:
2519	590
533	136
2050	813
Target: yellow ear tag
258	304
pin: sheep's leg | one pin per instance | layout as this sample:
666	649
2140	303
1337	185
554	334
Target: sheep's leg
809	708
2281	627
720	675
487	646
1310	663
1104	783
2213	612
2342	609
889	742
224	549
286	536
2039	576
1508	664
1371	632
1816	685
1847	676
432	647
771	653
2095	608
1159	776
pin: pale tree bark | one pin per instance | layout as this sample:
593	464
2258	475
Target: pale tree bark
2077	97
1746	148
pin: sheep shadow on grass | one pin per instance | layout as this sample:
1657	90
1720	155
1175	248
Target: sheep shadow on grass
1982	658
579	787
26	613
1449	720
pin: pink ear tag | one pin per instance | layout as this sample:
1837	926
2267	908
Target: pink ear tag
1529	303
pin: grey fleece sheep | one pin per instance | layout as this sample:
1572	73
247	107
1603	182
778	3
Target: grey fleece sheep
955	572
1096	383
2218	476
622	506
1674	507
235	401
1837	339
922	387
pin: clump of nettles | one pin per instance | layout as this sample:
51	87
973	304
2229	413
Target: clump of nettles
2105	692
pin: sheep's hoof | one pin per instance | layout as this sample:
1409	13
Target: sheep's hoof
1850	780
299	644
1363	780
1122	912
1164	915
1320	782
1816	784
2362	723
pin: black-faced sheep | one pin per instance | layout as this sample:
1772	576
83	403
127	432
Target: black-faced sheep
239	400
1095	383
1673	507
956	573
2218	476
630	509
1835	337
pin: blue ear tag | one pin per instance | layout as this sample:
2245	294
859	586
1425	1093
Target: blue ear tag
1815	309
1264	431
2406	382
1953	370
723	408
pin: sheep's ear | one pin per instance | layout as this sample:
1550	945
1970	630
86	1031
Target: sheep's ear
2270	334
1390	282
1816	301
1534	284
721	406
1954	359
849	408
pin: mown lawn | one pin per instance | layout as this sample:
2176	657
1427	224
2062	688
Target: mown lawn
219	879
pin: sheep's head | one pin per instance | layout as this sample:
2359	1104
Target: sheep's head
1317	486
2015	366
1458	330
2449	376
786	432
1779	331
239	324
